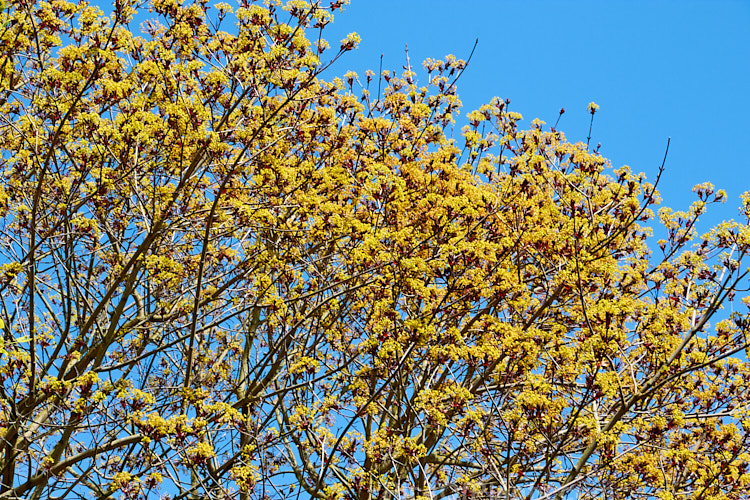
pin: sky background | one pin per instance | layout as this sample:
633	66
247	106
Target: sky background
656	68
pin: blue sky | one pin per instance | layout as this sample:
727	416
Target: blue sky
656	68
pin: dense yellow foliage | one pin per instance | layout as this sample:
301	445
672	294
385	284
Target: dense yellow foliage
225	276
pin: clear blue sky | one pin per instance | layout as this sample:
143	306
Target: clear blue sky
656	68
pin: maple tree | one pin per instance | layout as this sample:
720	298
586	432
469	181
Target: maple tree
225	277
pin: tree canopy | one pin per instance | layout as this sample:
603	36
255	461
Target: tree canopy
224	276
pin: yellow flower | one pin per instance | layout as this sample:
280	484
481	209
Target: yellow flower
121	478
350	42
201	453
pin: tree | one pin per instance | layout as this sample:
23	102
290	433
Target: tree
225	277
